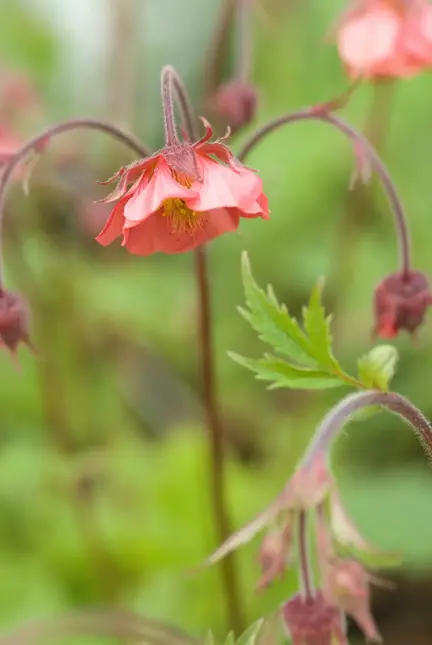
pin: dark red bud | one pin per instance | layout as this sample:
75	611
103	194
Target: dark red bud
312	621
400	302
235	104
14	321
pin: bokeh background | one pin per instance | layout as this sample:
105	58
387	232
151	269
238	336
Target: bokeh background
103	458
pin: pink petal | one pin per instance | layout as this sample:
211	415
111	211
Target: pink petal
221	152
156	233
417	37
368	39
223	187
114	226
258	209
149	195
208	132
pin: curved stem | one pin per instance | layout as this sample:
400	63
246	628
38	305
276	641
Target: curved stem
305	570
334	421
38	144
354	219
360	141
216	442
172	87
243	53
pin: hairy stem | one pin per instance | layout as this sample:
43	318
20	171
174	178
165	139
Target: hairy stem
38	144
243	52
173	84
360	143
170	128
334	421
305	569
354	219
216	443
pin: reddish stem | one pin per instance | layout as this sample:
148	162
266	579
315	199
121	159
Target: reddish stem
311	114
305	569
216	442
334	421
38	144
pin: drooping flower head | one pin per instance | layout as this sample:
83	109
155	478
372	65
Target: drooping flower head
181	197
313	621
235	104
14	322
400	302
386	38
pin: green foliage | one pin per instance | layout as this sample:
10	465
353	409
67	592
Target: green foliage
311	363
249	637
308	347
393	509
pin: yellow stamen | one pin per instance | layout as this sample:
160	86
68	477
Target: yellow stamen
182	218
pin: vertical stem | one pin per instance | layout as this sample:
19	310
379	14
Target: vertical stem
218	50
305	570
123	29
243	52
354	219
171	136
216	443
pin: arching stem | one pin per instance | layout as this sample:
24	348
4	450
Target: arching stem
361	145
334	421
39	143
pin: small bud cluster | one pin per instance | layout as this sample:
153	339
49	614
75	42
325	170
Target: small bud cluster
313	616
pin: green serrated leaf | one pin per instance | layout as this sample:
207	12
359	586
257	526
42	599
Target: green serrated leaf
377	368
283	374
272	321
317	327
209	638
249	637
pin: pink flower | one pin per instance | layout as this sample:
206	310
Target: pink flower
182	197
14	322
386	38
9	144
346	586
313	621
400	302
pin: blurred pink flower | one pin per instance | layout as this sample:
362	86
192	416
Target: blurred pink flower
9	144
386	38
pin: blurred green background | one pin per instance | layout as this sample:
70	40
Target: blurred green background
103	458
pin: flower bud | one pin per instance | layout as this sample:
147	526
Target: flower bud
235	104
313	621
401	301
14	320
274	554
346	585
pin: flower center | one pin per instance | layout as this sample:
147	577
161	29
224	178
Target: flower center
182	218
